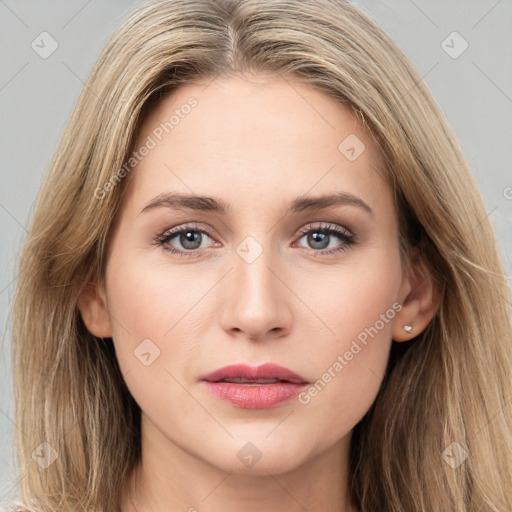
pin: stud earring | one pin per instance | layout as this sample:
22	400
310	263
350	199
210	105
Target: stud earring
407	328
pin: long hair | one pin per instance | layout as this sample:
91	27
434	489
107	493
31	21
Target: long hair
447	396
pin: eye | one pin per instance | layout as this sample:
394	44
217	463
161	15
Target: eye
322	238
189	237
189	240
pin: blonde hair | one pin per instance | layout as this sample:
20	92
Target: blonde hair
450	385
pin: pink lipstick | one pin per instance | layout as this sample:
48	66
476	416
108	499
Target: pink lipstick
250	387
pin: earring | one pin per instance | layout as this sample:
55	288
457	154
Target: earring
407	328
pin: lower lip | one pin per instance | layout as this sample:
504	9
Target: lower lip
254	396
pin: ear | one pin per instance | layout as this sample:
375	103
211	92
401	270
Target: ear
420	297
93	308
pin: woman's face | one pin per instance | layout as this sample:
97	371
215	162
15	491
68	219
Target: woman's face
268	273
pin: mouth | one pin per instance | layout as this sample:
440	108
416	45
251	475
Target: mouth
242	380
268	373
249	387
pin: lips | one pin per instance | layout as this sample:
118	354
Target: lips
249	387
244	374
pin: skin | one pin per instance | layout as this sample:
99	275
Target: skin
257	144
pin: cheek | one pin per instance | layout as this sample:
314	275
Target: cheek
143	306
148	292
359	307
349	299
147	314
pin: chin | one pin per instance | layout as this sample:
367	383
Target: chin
258	458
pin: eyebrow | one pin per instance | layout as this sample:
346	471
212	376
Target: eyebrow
218	206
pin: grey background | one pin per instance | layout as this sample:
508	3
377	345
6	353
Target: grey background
37	95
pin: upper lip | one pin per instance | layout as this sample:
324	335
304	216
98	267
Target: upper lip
254	373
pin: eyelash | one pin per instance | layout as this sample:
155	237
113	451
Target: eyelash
348	238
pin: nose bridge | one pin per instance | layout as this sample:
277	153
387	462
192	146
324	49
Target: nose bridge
257	302
252	273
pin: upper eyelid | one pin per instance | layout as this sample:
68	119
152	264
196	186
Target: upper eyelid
325	226
180	228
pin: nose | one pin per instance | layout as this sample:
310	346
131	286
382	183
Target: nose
256	303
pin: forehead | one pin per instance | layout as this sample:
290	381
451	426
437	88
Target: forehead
252	138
